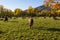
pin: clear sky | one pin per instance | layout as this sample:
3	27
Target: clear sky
22	4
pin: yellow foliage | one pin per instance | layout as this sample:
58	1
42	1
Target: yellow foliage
31	10
58	11
18	11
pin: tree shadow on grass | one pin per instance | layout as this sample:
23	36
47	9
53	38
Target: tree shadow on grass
13	21
48	29
53	29
40	28
1	32
56	18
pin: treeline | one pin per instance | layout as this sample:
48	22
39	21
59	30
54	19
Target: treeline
55	10
29	12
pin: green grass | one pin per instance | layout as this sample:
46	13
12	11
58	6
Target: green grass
18	29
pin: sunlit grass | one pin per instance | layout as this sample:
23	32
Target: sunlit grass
18	29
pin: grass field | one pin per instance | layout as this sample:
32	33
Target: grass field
18	29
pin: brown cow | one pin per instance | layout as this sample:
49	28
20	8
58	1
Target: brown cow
30	21
6	18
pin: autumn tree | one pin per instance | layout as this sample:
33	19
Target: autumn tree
1	9
54	5
45	13
17	12
58	12
31	11
10	13
46	4
38	14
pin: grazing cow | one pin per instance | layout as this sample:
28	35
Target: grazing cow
6	18
30	21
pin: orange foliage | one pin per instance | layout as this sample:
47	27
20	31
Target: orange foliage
56	5
50	0
46	4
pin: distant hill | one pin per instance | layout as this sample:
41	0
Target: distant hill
40	8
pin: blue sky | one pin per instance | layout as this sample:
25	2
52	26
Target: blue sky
22	4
